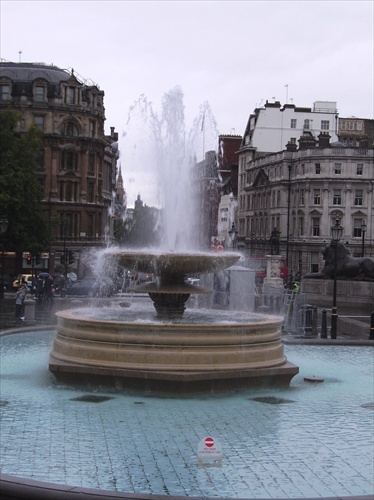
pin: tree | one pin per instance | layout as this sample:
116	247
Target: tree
20	190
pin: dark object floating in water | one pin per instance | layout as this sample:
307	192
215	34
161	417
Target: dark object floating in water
3	403
370	406
271	400
91	399
314	379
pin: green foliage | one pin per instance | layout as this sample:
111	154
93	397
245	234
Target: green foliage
20	190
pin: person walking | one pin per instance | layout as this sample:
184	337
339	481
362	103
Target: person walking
20	302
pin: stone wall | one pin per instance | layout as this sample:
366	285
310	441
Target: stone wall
353	295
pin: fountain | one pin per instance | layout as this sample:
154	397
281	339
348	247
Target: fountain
210	352
168	351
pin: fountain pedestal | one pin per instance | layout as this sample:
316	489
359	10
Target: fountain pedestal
209	351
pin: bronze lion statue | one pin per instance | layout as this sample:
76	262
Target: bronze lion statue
347	267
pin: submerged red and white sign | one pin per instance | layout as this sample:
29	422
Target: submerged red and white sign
209	451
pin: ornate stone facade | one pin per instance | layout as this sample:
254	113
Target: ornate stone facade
78	166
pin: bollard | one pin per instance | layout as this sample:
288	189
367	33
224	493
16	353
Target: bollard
324	324
308	320
314	321
371	336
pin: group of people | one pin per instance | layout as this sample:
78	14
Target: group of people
44	290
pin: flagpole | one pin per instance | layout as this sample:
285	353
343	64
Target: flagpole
203	130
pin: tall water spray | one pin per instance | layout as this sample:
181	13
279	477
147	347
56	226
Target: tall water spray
158	158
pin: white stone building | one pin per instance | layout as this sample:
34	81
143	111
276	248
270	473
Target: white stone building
271	127
300	191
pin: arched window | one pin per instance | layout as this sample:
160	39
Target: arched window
71	130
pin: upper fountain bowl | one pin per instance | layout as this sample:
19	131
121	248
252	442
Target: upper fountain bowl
173	262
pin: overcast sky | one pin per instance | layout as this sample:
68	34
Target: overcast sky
231	54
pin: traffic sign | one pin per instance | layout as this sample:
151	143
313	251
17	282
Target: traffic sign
209	452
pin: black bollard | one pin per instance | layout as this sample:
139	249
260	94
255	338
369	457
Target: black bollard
314	321
324	324
371	336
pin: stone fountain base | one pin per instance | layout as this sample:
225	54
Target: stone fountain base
166	357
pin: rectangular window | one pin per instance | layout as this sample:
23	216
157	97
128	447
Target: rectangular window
306	124
359	126
317	196
70	95
360	169
39	160
314	262
342	125
317	168
358	197
90	192
68	191
69	160
39	93
315	226
92	129
325	125
90	225
337	197
357	228
4	92
91	164
302	198
337	168
39	121
293	122
301	226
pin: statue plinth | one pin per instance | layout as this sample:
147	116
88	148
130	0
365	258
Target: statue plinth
273	283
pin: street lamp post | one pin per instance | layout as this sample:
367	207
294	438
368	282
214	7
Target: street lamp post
3	228
363	231
336	233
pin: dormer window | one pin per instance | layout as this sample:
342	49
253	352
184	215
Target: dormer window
39	93
4	92
70	95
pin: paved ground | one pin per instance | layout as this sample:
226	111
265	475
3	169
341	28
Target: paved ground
306	441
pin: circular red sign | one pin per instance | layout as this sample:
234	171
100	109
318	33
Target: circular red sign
209	442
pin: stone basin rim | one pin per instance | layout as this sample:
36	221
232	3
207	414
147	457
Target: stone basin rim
255	320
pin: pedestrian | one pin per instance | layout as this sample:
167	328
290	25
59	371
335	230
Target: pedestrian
49	290
20	302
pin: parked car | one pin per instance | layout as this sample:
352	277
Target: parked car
92	287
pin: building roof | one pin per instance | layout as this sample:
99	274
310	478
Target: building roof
25	72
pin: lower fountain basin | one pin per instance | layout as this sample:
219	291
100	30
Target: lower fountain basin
204	351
